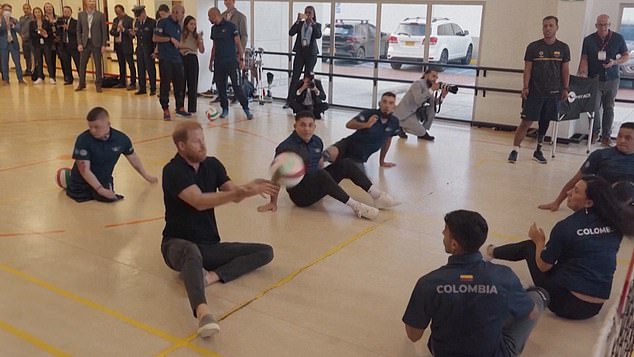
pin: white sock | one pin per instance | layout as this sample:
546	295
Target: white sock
516	148
352	203
374	192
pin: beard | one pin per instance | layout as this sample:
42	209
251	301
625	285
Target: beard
429	83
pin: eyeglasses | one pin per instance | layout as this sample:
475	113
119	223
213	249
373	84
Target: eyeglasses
603	25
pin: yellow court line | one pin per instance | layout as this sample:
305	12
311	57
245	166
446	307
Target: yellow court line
276	285
52	350
108	311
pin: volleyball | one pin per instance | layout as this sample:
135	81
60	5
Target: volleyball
212	114
287	169
62	177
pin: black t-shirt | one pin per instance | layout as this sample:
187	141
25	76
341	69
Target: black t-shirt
546	73
583	250
103	156
182	220
468	301
224	35
611	164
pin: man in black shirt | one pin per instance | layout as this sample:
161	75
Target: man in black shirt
191	242
546	78
96	152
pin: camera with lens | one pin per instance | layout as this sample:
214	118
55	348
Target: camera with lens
451	88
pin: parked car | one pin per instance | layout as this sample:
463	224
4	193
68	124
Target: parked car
627	68
354	39
448	42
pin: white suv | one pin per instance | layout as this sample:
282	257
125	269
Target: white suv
448	42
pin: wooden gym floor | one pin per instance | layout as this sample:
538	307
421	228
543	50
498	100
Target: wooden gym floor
89	280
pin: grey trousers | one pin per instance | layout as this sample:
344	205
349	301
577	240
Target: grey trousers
604	107
412	125
228	260
95	51
516	331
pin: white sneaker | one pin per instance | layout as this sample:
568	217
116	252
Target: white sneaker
487	255
365	211
208	326
51	81
38	81
385	201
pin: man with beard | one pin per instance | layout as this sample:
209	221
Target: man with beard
191	243
374	130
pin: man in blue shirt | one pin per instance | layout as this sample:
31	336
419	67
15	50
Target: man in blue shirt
475	308
601	55
96	152
167	35
226	58
613	164
318	181
374	130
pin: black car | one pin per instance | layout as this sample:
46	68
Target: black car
354	39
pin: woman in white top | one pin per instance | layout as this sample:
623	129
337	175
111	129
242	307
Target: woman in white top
191	44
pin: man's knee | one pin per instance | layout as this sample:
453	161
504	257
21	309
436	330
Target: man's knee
267	254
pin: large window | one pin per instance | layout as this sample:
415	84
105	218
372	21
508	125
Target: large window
625	112
271	33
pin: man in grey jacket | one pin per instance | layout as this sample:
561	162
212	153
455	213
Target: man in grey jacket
27	47
92	38
420	94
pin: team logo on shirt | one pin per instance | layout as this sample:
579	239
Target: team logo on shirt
541	53
317	150
557	54
466	277
466	289
594	231
116	148
159	30
83	152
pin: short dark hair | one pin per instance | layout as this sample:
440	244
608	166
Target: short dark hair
551	17
433	69
67	7
181	132
119	6
95	113
468	228
9	5
164	8
304	114
628	125
388	94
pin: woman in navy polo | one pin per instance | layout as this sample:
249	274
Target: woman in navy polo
577	264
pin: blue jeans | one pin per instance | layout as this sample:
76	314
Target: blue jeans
14	49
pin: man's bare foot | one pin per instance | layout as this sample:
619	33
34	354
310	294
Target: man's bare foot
211	278
268	207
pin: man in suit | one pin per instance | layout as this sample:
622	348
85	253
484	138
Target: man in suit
143	30
122	32
92	39
9	29
27	46
308	30
67	27
310	96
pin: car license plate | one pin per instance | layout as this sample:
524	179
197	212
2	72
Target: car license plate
410	43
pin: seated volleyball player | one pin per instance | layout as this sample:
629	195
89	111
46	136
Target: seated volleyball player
476	308
319	182
191	243
96	152
577	264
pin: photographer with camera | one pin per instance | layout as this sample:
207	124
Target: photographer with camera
417	109
309	96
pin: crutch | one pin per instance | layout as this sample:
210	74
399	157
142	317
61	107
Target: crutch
560	117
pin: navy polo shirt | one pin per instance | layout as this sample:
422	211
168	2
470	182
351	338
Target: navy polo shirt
183	221
167	27
365	142
610	164
583	250
309	151
223	35
467	301
613	44
103	156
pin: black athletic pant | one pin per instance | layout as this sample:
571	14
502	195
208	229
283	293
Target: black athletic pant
145	62
50	56
316	109
228	260
69	52
562	302
316	185
38	69
27	51
303	60
190	63
172	72
124	58
222	70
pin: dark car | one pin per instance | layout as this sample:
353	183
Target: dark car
354	39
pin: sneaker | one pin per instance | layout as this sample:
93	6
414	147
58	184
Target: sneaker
427	137
38	81
52	81
166	115
385	201
285	106
183	113
402	134
606	141
539	157
488	253
512	156
208	94
542	293
208	326
248	114
225	113
365	211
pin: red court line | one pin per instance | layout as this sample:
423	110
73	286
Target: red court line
31	233
146	220
226	126
151	139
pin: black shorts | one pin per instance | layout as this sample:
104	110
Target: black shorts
540	108
343	146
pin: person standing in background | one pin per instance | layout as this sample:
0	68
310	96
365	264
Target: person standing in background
191	44
143	30
121	30
27	46
67	29
92	39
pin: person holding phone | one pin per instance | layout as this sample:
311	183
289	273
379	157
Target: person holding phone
308	30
